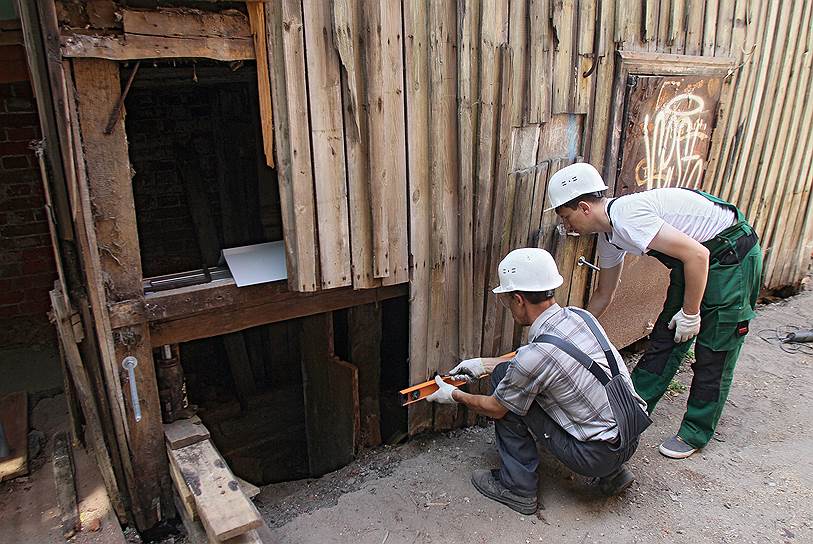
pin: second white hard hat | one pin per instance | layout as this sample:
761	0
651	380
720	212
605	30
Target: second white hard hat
573	181
528	269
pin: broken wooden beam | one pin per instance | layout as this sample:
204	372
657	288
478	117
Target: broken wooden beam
185	432
134	47
65	485
220	503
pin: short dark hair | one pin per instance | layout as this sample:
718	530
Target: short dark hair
587	197
536	297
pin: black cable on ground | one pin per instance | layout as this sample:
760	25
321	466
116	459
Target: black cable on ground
780	338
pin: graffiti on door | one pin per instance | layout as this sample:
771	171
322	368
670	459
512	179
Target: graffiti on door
668	131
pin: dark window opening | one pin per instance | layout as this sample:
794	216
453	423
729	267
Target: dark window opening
200	180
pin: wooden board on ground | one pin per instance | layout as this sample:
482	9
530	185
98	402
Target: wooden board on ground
65	484
185	432
223	508
14	417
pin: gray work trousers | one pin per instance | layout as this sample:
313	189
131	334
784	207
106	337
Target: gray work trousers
519	457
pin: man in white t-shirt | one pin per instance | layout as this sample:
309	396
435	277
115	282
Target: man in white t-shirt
716	265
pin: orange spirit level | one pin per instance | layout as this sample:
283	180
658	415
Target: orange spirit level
423	390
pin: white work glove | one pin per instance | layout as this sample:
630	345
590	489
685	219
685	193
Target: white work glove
444	393
468	370
686	326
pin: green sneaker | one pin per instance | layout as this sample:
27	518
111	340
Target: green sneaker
488	483
676	448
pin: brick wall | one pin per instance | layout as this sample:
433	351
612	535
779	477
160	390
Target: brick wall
27	270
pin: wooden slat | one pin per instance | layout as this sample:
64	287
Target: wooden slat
710	26
326	133
223	508
417	99
282	150
584	56
694	27
650	21
256	15
677	27
468	46
136	46
109	179
540	71
494	312
183	23
364	332
295	169
380	174
187	499
664	18
185	432
518	40
348	37
633	25
596	142
393	95
725	24
486	156
14	417
443	345
563	17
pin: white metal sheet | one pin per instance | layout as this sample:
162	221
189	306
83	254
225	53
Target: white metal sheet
258	263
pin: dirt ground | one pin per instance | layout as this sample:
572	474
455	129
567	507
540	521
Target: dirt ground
752	483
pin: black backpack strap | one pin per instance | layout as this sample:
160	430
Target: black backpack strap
588	318
576	353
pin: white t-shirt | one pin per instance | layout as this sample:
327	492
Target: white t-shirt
638	217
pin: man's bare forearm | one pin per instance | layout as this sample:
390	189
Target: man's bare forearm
483	404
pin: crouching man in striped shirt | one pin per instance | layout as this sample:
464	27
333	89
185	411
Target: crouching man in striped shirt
567	389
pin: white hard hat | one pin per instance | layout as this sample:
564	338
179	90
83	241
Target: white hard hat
573	181
528	269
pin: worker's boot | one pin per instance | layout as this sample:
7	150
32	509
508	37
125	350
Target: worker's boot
488	483
616	482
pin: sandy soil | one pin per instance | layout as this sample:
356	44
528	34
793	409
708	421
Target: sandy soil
752	483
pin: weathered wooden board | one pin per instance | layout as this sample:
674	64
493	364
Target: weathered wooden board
327	141
331	398
183	23
418	108
136	46
223	508
256	14
185	432
14	417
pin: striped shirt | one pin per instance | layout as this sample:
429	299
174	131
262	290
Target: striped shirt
566	390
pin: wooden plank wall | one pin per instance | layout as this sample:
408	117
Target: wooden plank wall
762	160
448	134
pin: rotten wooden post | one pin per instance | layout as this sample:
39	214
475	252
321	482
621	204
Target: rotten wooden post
109	182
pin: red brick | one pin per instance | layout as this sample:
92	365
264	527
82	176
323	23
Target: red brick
9	311
18	189
15	148
40	306
23	134
43	240
18	104
11	297
20	203
10	270
37	266
16	162
43	279
29	229
18	120
23	89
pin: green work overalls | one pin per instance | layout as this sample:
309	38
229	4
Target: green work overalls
734	279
